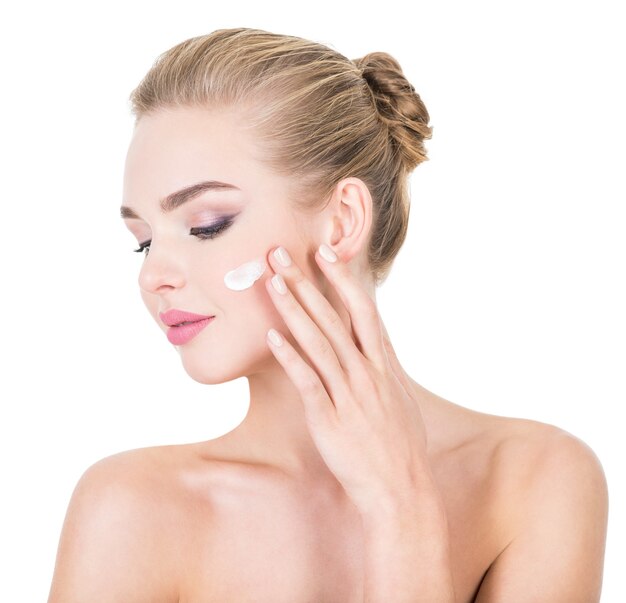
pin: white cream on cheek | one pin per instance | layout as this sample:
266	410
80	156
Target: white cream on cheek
245	275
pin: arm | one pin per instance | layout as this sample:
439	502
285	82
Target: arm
558	553
407	551
107	552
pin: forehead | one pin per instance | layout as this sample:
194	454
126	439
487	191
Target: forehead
185	142
174	148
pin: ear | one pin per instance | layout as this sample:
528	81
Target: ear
348	218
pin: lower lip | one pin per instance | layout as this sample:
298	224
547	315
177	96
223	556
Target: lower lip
184	333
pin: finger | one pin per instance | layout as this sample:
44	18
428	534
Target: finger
318	406
309	337
360	306
319	311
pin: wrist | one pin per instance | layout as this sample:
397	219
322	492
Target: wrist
422	504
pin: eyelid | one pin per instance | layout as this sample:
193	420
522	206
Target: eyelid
216	227
213	224
209	231
222	220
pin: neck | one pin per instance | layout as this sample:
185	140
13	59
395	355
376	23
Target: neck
275	432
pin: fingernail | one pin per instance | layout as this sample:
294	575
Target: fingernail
274	337
282	257
327	253
279	284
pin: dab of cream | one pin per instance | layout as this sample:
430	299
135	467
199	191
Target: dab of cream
245	276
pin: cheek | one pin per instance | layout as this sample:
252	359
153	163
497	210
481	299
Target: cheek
244	286
245	275
246	291
233	279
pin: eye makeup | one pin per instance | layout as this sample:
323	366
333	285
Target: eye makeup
201	232
209	232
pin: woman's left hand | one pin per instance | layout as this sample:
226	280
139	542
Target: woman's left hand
360	407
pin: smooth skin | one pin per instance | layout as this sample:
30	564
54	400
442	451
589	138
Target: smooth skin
274	510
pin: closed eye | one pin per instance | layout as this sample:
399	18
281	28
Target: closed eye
202	232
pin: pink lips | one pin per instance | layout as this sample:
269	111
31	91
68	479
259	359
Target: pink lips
179	335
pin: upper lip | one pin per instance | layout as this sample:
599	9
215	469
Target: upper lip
174	317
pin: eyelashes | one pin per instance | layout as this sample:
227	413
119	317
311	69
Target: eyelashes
201	232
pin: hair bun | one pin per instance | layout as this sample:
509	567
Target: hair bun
398	105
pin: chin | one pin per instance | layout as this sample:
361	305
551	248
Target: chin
212	365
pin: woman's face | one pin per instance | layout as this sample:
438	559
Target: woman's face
177	148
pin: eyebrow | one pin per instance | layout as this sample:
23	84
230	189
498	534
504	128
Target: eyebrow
176	199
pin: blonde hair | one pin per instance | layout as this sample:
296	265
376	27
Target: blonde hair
318	116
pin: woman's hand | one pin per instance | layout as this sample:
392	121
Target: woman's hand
359	405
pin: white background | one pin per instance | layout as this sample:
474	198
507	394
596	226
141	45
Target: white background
508	296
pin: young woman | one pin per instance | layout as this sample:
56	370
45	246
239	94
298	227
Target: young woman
266	183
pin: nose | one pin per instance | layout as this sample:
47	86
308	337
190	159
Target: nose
160	270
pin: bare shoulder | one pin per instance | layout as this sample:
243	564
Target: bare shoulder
114	541
520	452
541	458
553	495
530	460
